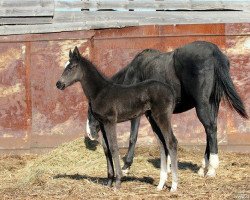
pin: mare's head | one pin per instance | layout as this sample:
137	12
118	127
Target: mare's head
72	72
92	126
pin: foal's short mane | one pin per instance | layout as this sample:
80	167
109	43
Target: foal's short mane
92	67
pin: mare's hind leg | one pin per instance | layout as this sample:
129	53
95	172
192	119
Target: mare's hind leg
207	114
164	153
164	123
110	130
110	166
132	141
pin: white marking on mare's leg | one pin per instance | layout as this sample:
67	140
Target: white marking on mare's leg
168	164
66	64
204	166
88	130
163	173
213	164
125	171
174	186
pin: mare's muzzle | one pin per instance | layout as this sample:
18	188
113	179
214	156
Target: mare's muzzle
60	85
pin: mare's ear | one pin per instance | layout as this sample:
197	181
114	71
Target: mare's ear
77	53
70	54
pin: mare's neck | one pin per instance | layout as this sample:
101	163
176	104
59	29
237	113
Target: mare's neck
92	81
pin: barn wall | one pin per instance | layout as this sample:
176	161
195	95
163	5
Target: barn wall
34	115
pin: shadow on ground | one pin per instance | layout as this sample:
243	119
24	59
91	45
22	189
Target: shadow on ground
103	181
181	165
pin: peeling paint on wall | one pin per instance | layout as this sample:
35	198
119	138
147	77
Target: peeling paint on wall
6	91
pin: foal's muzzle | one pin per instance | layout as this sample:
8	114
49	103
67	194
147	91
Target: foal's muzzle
60	85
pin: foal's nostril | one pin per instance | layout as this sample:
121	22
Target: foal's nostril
58	84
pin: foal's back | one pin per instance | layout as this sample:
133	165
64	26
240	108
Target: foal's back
127	102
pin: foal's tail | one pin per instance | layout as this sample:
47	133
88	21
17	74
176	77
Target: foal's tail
225	87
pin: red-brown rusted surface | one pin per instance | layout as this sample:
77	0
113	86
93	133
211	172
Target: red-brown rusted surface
34	114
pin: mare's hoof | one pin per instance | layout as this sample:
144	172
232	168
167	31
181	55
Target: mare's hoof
125	172
174	187
201	172
173	190
211	172
159	188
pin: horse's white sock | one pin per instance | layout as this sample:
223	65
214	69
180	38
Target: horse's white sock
88	130
204	165
213	164
168	164
163	173
174	186
125	171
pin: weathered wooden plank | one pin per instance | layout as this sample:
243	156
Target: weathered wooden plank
59	27
106	19
167	5
170	17
13	8
25	20
66	6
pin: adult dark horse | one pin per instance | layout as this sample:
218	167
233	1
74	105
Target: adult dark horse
109	103
199	74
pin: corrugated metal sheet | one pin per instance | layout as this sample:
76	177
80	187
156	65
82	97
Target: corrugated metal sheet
35	115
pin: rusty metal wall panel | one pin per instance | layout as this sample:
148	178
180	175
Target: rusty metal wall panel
30	65
60	114
238	51
14	118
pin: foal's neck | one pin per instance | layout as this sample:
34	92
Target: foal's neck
93	81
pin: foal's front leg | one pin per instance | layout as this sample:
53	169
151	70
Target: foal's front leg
107	152
110	130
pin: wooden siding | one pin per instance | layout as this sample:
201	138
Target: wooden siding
38	16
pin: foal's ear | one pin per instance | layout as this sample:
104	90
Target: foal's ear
76	52
70	54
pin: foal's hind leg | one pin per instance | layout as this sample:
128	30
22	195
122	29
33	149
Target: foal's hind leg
164	153
208	116
163	122
132	141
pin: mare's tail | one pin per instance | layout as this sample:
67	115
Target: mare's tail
223	86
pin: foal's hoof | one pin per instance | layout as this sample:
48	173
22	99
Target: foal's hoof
117	185
110	182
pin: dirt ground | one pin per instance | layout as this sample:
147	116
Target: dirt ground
73	171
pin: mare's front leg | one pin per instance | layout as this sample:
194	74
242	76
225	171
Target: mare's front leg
132	141
107	152
110	130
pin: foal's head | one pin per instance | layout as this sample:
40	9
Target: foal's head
72	72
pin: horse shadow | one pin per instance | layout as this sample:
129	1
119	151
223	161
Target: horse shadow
103	181
183	165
